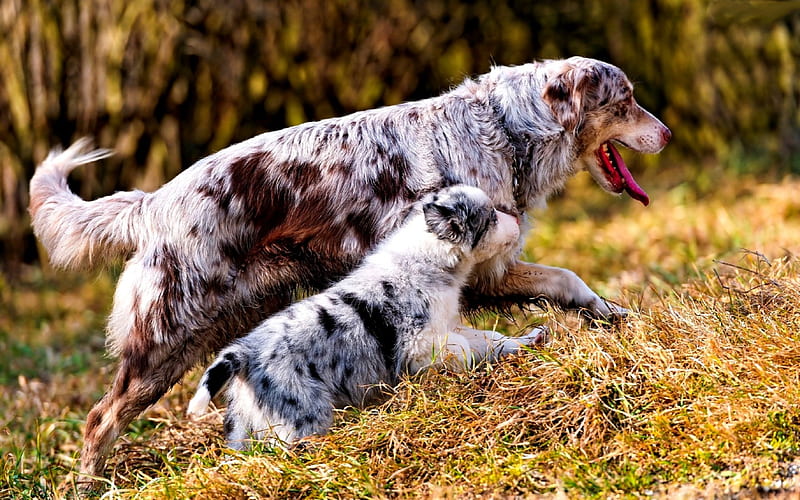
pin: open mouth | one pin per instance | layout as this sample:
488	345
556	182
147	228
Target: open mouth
617	173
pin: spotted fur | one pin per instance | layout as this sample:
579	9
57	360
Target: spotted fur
229	241
397	312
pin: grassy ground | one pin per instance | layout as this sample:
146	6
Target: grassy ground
697	395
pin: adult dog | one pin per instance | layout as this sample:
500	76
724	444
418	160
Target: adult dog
397	312
228	241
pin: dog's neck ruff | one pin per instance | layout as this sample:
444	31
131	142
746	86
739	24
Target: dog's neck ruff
520	169
529	148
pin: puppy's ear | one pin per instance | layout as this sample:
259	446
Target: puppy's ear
444	222
565	93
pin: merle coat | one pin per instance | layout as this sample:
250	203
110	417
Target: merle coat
397	312
229	241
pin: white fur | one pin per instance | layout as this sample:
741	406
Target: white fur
229	240
332	349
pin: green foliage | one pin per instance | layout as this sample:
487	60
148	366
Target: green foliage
164	82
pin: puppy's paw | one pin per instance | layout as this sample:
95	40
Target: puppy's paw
537	337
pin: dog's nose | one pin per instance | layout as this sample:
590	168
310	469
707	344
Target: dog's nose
666	135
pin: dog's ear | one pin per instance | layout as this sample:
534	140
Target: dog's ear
445	222
564	93
458	221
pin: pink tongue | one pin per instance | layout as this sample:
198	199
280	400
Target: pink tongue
631	187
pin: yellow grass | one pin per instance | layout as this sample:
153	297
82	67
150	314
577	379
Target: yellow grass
697	394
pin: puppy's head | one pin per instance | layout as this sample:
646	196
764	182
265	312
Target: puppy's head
465	217
594	101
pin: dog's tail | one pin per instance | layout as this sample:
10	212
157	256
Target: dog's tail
228	364
78	233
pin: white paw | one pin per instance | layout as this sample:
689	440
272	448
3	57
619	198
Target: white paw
539	336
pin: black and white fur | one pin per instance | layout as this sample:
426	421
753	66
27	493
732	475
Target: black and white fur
231	239
398	312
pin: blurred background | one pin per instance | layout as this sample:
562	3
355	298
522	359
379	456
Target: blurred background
165	82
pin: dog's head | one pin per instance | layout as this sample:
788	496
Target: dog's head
465	217
594	101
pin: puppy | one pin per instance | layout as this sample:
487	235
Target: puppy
398	312
230	240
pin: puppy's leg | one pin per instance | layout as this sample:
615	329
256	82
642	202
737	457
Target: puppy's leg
465	347
313	417
490	346
449	349
524	282
277	407
236	435
455	352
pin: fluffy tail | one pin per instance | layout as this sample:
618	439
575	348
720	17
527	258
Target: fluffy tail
78	233
227	365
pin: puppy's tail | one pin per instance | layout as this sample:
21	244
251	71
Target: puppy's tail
227	365
78	233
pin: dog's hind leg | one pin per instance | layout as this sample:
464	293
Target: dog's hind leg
154	354
139	383
147	370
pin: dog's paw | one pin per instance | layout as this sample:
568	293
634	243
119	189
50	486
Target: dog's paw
76	486
537	337
603	312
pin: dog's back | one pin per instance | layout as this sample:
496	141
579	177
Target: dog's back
300	207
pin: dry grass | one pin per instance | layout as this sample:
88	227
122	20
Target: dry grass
702	392
697	395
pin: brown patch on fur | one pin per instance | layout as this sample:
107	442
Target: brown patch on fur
298	208
256	188
93	421
218	193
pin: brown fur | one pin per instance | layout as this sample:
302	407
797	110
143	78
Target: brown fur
232	238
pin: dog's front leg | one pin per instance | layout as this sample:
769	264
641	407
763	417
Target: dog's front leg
526	282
